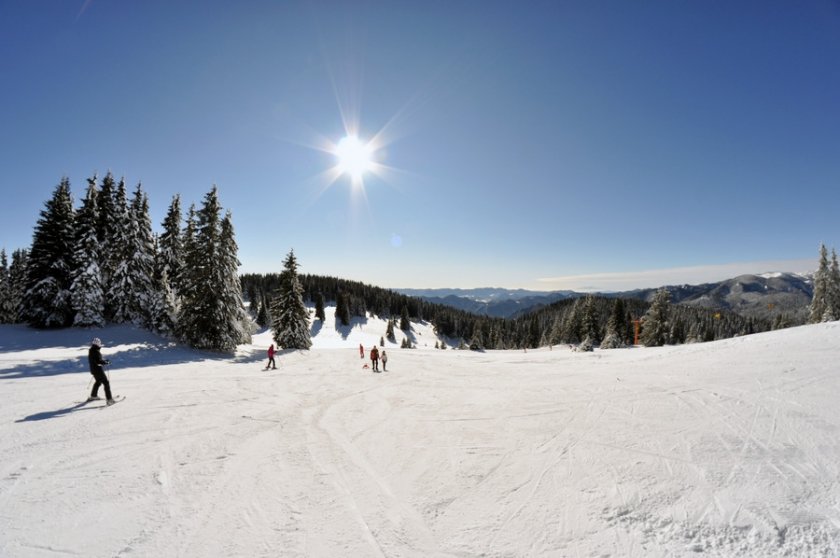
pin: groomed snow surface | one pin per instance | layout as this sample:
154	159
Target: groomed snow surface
729	448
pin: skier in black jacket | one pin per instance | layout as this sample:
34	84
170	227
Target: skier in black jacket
96	362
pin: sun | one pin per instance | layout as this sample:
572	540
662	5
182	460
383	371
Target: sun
355	157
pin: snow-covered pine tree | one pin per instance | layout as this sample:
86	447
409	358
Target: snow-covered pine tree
290	324
105	232
200	316
656	321
833	287
389	331
589	321
573	324
120	242
46	301
405	322
190	250
555	336
819	300
164	312
477	340
209	317
264	316
233	307
171	245
142	263
7	306
17	281
86	293
615	327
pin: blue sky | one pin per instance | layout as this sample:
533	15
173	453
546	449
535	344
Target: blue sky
544	145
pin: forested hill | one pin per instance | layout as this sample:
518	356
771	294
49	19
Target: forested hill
567	321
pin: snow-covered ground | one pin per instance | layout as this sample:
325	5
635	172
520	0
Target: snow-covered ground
729	448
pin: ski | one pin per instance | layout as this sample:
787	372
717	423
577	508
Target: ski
117	399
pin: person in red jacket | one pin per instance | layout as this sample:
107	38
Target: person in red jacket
361	351
374	358
271	364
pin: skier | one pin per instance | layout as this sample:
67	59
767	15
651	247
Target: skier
374	358
361	351
271	364
96	362
384	361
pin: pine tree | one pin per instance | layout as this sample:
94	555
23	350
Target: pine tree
120	242
656	322
820	300
142	263
405	322
477	339
87	297
291	319
573	324
171	244
239	322
46	301
590	329
342	309
105	226
319	307
164	311
264	316
556	334
615	327
7	305
17	282
191	251
207	319
833	287
389	331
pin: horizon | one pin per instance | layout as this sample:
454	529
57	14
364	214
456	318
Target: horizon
553	146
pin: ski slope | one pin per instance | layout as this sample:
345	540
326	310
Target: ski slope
720	449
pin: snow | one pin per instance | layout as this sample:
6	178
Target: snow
719	449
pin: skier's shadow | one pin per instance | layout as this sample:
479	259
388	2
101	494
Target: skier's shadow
53	414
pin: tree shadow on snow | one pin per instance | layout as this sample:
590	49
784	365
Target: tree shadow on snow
46	368
124	346
344	330
24	338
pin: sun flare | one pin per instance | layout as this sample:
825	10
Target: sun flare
355	157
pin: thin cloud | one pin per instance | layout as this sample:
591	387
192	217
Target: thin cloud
83	9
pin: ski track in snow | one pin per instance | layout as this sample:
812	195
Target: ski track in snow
720	449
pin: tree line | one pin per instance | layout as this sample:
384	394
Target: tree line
585	322
102	263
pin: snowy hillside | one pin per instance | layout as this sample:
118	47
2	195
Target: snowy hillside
721	449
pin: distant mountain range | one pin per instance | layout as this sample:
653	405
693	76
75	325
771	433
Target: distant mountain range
495	302
765	296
